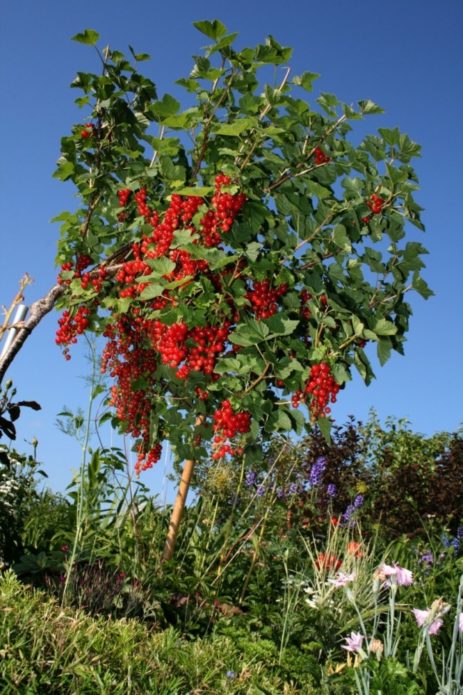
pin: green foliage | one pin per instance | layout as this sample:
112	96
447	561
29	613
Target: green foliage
55	651
323	219
18	495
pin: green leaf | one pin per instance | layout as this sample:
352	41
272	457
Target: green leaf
139	57
357	325
341	239
324	425
298	419
167	106
421	286
384	327
306	80
153	290
88	36
250	333
214	30
252	250
199	191
368	106
281	326
279	420
236	127
384	349
160	266
64	170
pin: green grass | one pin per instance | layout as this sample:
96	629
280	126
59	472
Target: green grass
47	649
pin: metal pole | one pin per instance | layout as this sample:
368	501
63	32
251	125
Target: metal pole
20	315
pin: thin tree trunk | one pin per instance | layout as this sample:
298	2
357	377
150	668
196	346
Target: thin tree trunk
179	505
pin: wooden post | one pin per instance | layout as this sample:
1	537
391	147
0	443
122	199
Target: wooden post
179	505
177	511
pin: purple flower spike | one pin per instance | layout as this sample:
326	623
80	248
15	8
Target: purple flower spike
331	490
251	478
317	470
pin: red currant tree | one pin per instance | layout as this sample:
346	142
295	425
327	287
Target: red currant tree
236	255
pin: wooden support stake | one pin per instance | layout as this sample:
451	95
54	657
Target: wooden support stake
179	506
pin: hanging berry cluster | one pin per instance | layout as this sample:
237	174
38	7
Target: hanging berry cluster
264	299
227	424
321	388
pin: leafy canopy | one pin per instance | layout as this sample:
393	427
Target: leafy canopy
237	254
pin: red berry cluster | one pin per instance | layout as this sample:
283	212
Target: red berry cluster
124	195
321	157
376	204
70	326
132	364
323	389
198	347
82	262
305	310
264	299
96	280
226	205
228	424
137	344
88	131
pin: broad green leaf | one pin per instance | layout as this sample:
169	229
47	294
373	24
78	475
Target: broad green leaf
279	420
341	239
421	286
324	425
306	80
236	127
214	30
368	106
250	333
88	36
153	290
358	326
299	420
167	106
384	327
281	326
160	266
252	250
384	348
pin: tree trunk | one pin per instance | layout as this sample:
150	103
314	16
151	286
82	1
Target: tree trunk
179	505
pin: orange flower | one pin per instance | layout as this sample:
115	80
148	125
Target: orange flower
327	561
354	548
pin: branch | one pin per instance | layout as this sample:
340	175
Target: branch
38	310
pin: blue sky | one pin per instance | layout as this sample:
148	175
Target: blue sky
404	54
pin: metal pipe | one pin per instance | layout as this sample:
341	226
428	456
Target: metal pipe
20	315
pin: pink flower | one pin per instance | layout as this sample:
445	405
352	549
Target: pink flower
395	574
342	579
423	616
460	622
403	576
353	643
387	570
